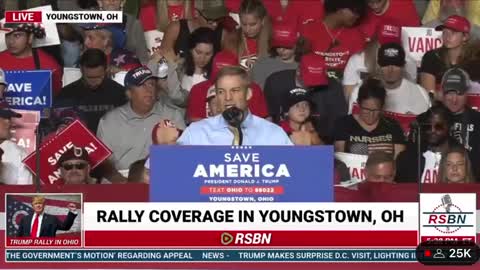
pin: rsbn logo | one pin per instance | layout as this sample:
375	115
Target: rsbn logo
447	217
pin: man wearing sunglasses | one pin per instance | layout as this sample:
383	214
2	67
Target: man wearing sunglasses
75	166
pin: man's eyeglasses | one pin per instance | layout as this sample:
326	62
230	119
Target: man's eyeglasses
71	166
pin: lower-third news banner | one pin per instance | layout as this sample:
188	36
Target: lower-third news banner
267	232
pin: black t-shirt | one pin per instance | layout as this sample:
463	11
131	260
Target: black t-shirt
359	141
92	103
432	63
465	129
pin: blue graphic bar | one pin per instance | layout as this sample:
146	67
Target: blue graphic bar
212	255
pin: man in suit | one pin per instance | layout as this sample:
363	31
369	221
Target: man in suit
41	224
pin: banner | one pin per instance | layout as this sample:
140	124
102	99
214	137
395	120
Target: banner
418	40
76	134
355	164
241	174
51	32
29	89
23	129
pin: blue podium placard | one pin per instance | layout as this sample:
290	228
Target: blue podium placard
241	174
29	89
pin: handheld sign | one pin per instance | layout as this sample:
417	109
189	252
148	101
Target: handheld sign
355	164
419	40
241	174
76	134
29	89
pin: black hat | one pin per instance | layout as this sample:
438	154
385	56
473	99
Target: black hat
295	96
74	153
455	79
391	54
37	29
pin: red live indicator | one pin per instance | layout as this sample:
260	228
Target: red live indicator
427	253
23	16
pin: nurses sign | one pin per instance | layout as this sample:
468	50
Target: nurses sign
418	40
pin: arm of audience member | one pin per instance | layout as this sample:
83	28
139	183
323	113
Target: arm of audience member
141	49
173	87
398	148
347	91
170	37
427	81
339	146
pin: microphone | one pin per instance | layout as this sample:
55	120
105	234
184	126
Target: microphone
234	117
447	202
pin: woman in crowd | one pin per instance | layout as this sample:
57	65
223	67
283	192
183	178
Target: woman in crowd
457	50
213	17
369	130
252	40
455	166
364	64
284	54
198	60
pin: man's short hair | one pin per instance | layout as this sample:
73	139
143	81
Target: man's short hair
38	199
233	71
93	58
379	157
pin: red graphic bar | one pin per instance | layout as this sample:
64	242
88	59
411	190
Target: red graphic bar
244	190
23	16
255	238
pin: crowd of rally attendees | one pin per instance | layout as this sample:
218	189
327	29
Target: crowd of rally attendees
328	72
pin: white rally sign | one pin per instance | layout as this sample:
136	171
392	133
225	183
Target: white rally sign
418	40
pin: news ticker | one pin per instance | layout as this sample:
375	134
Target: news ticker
27	16
452	255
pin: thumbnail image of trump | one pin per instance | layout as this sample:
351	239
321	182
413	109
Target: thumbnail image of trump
41	224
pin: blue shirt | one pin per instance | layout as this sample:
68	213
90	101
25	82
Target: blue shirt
214	131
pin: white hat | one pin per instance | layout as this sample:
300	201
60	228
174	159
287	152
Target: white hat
211	92
2	77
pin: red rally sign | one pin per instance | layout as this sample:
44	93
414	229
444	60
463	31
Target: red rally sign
76	134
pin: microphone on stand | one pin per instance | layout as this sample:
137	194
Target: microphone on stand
234	117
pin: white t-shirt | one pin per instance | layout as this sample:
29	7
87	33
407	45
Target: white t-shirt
189	81
13	171
356	66
408	98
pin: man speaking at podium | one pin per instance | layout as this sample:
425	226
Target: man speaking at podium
235	126
41	224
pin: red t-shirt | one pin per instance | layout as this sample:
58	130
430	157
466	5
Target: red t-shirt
148	14
400	12
197	101
10	62
249	54
348	42
285	126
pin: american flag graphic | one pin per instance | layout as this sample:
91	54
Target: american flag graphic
19	206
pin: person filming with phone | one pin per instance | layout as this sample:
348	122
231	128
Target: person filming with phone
235	125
